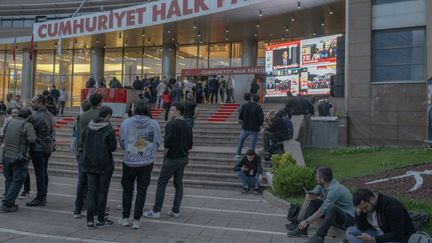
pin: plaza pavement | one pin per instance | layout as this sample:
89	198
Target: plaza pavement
206	216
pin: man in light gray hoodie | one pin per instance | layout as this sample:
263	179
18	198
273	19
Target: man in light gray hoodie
140	137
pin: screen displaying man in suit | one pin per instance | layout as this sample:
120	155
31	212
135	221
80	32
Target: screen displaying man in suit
281	58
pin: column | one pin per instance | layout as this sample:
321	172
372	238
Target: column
97	62
27	76
249	57
168	61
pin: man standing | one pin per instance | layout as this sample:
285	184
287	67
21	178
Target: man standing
99	142
252	118
138	84
330	201
19	133
379	219
230	90
62	100
222	86
43	124
83	121
176	94
55	94
191	110
178	141
140	137
159	92
254	87
213	87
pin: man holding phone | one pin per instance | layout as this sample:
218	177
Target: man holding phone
329	201
379	218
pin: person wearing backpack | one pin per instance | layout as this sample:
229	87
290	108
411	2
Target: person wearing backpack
379	218
140	137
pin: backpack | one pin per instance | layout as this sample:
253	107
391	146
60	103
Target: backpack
419	219
420	237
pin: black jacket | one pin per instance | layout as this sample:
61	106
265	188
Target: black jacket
393	220
324	108
178	139
138	84
254	166
43	124
99	142
252	116
279	130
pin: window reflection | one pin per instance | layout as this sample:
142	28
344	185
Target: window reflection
152	61
186	58
203	56
236	54
219	55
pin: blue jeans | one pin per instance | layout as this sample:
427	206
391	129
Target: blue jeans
159	102
243	135
352	231
249	180
14	180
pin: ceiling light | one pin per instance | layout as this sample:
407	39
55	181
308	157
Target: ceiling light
258	25
260	13
255	34
322	24
298	4
194	27
314	34
226	30
227	38
169	31
287	29
292	19
97	40
173	39
331	12
143	35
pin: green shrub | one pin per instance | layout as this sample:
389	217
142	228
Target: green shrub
282	160
290	180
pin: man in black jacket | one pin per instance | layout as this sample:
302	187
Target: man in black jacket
277	132
99	142
178	141
213	87
248	170
379	218
43	123
252	118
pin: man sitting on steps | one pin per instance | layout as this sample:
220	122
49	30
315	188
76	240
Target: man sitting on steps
329	201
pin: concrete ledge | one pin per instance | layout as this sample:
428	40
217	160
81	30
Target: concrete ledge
294	148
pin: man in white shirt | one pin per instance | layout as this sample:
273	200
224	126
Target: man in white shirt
159	91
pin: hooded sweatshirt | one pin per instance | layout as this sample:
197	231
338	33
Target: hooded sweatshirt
140	137
99	142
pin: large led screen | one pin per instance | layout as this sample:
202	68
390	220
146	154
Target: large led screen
301	67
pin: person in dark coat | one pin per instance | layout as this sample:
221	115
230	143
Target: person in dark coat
99	142
379	218
277	132
324	108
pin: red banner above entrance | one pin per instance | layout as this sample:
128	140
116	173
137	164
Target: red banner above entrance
222	71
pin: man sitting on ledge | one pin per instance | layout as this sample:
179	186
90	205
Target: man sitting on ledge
329	201
379	218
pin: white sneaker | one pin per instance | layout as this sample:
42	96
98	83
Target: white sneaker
152	215
136	224
124	222
119	207
172	214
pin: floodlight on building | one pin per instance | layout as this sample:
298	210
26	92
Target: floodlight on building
260	13
322	24
298	4
331	12
293	19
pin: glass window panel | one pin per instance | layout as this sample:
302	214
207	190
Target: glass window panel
375	2
81	73
113	64
236	55
203	56
399	55
152	62
132	65
261	49
63	72
219	55
187	58
44	70
13	73
2	75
